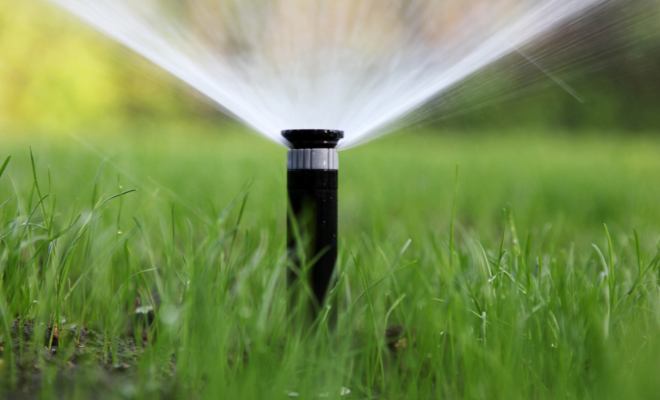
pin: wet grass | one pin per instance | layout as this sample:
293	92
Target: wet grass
501	266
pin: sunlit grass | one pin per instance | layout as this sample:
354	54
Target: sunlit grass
129	270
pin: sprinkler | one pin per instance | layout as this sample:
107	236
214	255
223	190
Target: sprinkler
312	220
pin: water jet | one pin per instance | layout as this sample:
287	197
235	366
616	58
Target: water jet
362	66
312	182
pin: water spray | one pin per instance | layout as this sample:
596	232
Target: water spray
364	65
312	183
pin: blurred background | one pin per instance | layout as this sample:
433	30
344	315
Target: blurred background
601	72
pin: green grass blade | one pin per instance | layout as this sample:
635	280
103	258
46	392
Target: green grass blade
4	166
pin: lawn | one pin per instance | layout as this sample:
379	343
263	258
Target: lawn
497	265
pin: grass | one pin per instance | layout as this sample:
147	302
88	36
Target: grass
152	264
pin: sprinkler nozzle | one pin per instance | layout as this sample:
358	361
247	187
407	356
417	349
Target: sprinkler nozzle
312	220
313	138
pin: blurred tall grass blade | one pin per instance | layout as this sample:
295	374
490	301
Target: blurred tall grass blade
4	166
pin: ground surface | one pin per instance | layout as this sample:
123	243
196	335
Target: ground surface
153	264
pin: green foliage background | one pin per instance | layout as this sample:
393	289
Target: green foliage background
56	74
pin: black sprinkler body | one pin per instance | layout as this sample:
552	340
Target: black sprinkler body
312	221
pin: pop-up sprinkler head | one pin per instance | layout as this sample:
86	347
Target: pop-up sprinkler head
312	223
